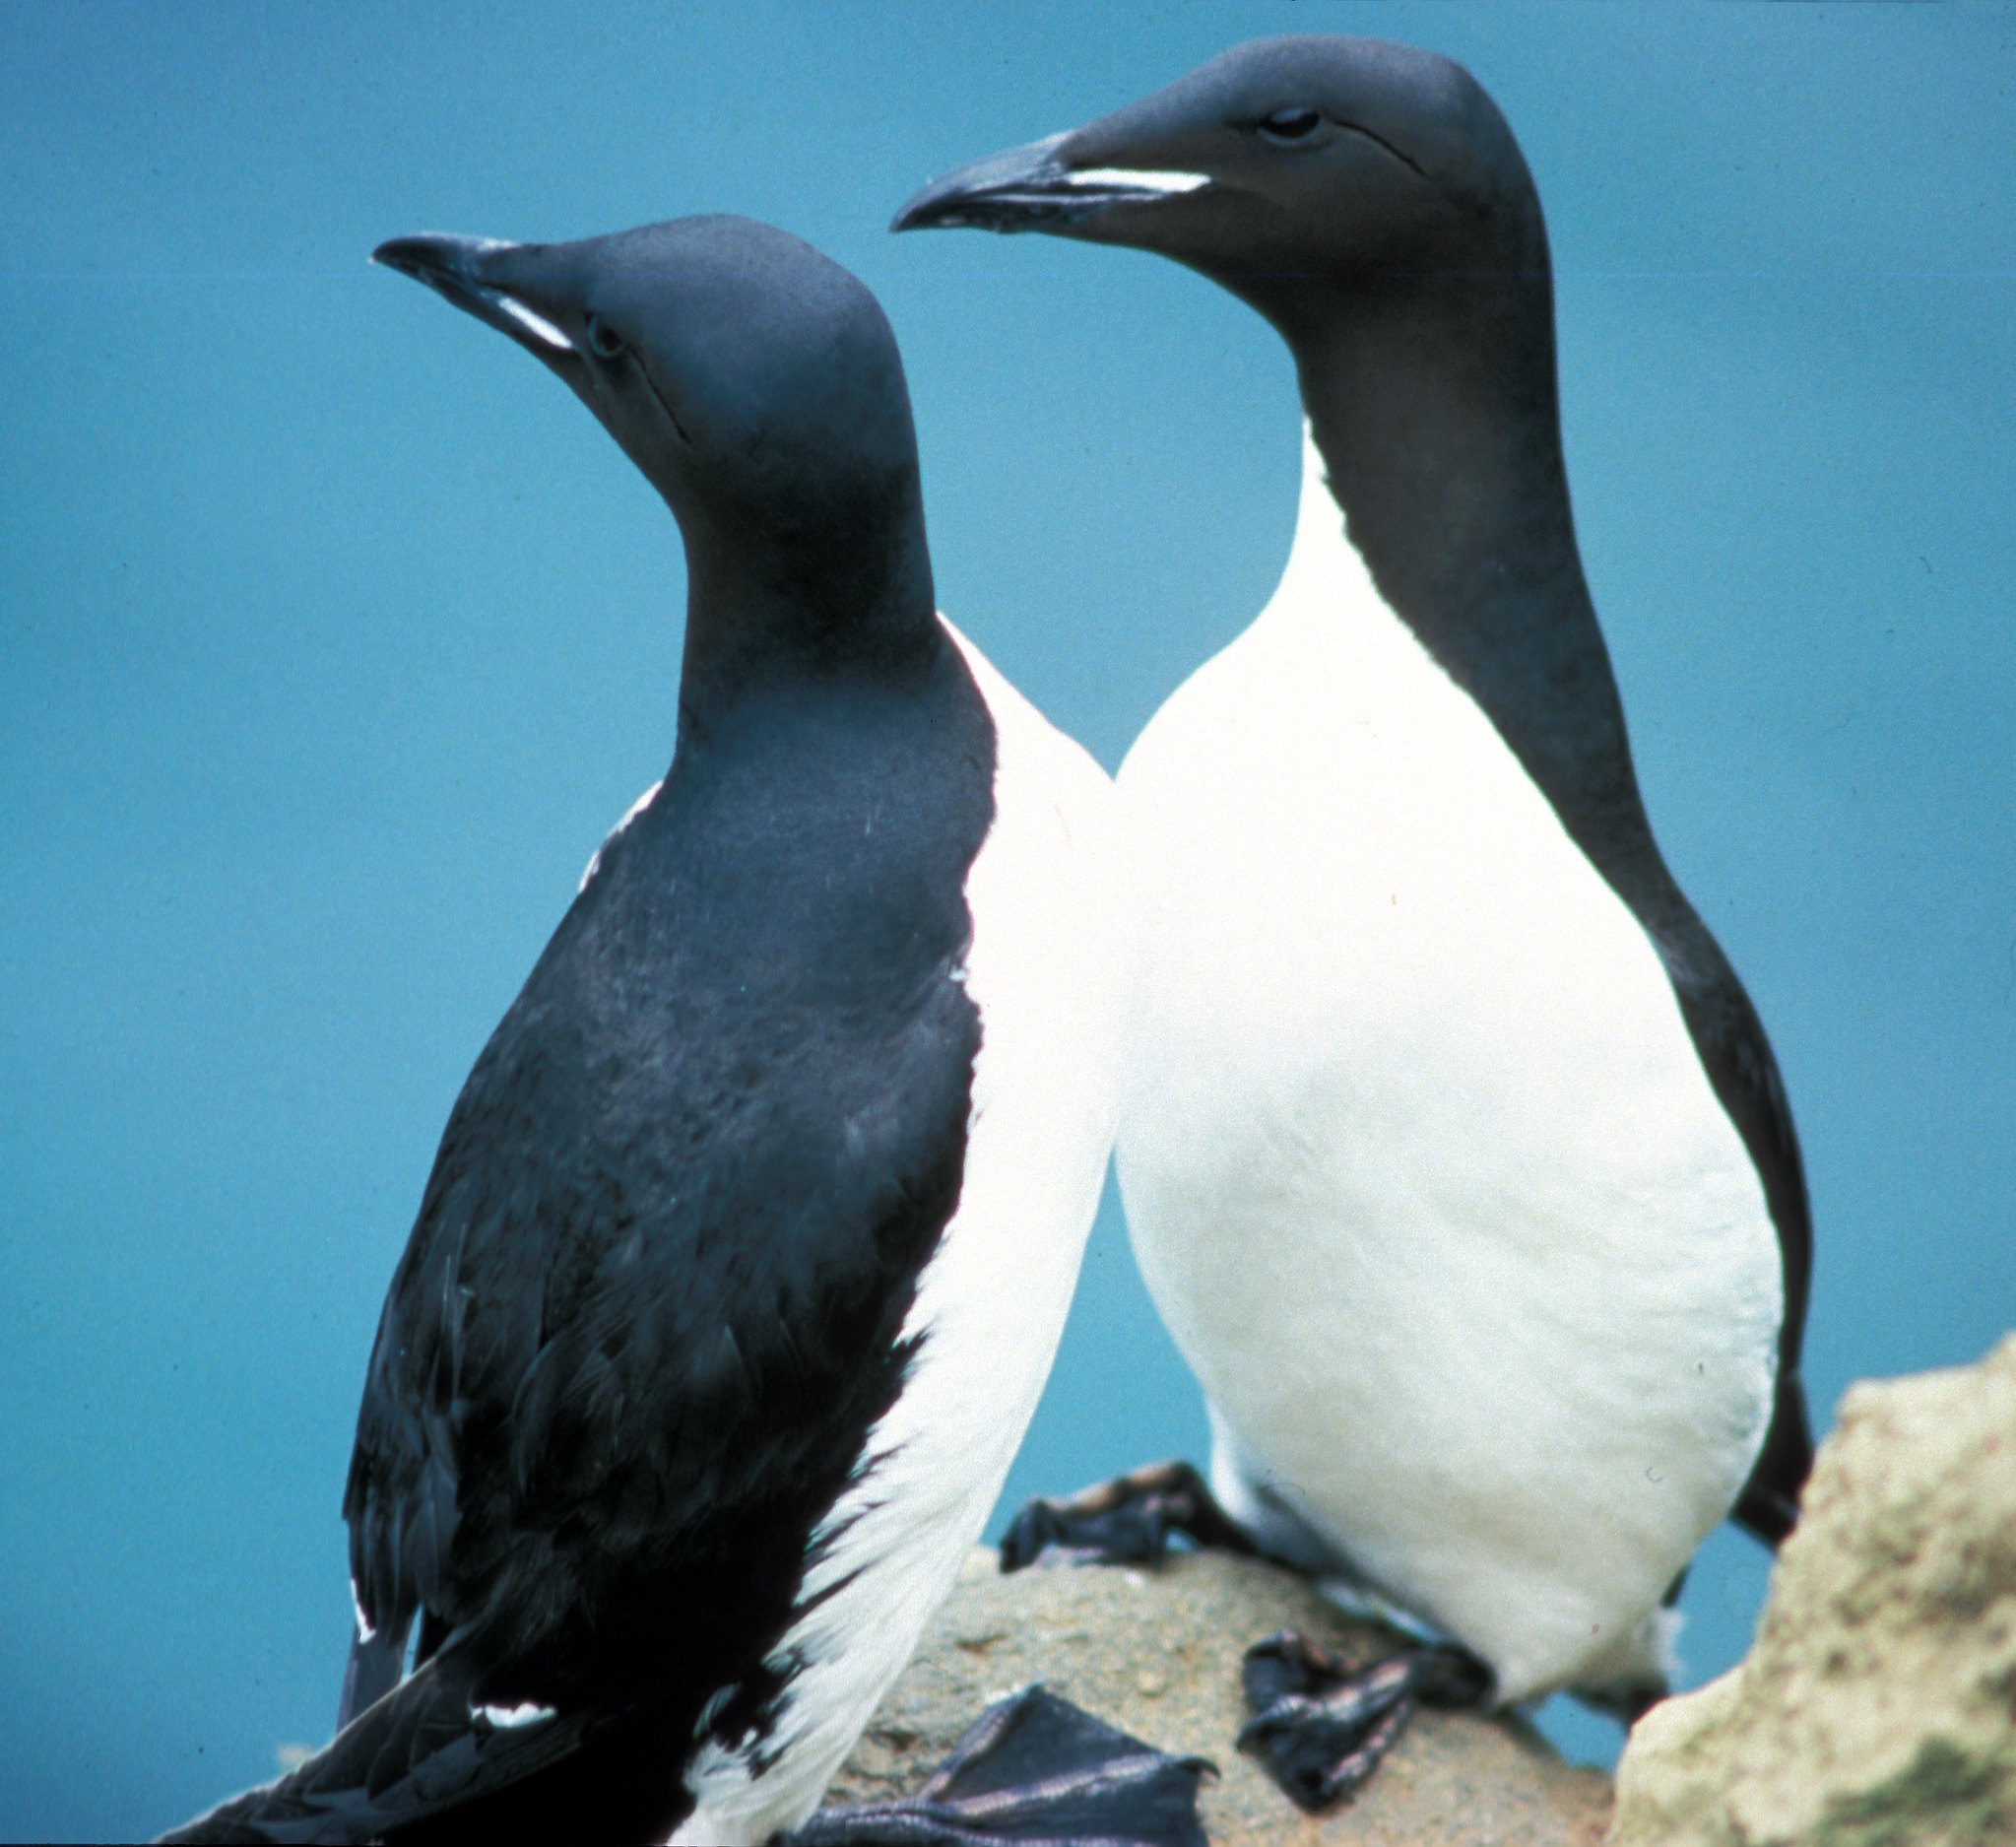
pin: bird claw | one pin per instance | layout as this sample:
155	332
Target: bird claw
1127	1520
1322	1724
1034	1771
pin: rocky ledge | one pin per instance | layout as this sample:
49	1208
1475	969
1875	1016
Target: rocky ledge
1876	1709
1157	1654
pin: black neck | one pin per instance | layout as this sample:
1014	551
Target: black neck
1433	403
843	593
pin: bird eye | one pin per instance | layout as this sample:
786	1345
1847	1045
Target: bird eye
603	339
1289	124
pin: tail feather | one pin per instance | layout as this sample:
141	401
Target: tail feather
371	1673
1769	1503
416	1754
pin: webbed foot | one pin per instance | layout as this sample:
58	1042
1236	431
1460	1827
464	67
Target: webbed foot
1322	1724
1125	1521
1036	1771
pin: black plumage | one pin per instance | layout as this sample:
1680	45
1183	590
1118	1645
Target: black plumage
651	1307
653	1301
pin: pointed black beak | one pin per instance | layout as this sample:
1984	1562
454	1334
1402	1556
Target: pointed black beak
471	273
1033	188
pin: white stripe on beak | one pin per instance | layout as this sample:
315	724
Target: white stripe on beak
1142	179
536	325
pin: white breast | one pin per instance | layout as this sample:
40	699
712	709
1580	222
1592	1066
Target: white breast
1421	1167
1046	972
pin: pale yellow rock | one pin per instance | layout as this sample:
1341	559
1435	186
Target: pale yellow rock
1877	1707
1673	1786
1157	1654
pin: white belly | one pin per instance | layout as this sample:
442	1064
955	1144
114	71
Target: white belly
1420	1164
1046	971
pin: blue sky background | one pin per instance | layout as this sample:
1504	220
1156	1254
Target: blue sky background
333	635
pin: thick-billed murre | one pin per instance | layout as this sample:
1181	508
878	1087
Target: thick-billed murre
1453	1150
750	1237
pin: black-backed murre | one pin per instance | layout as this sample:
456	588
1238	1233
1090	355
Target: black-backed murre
1453	1150
750	1237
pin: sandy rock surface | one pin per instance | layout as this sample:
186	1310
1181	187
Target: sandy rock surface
1157	1654
1877	1707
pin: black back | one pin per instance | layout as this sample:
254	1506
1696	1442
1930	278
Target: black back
651	1307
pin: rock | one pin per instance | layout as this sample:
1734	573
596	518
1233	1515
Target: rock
1158	1653
1877	1707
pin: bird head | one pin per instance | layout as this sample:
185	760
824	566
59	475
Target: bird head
754	383
1284	168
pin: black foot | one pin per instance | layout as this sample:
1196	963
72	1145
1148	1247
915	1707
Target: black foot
1035	1770
1322	1724
1125	1521
1626	1704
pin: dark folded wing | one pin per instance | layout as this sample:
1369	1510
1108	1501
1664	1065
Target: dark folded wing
650	1309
